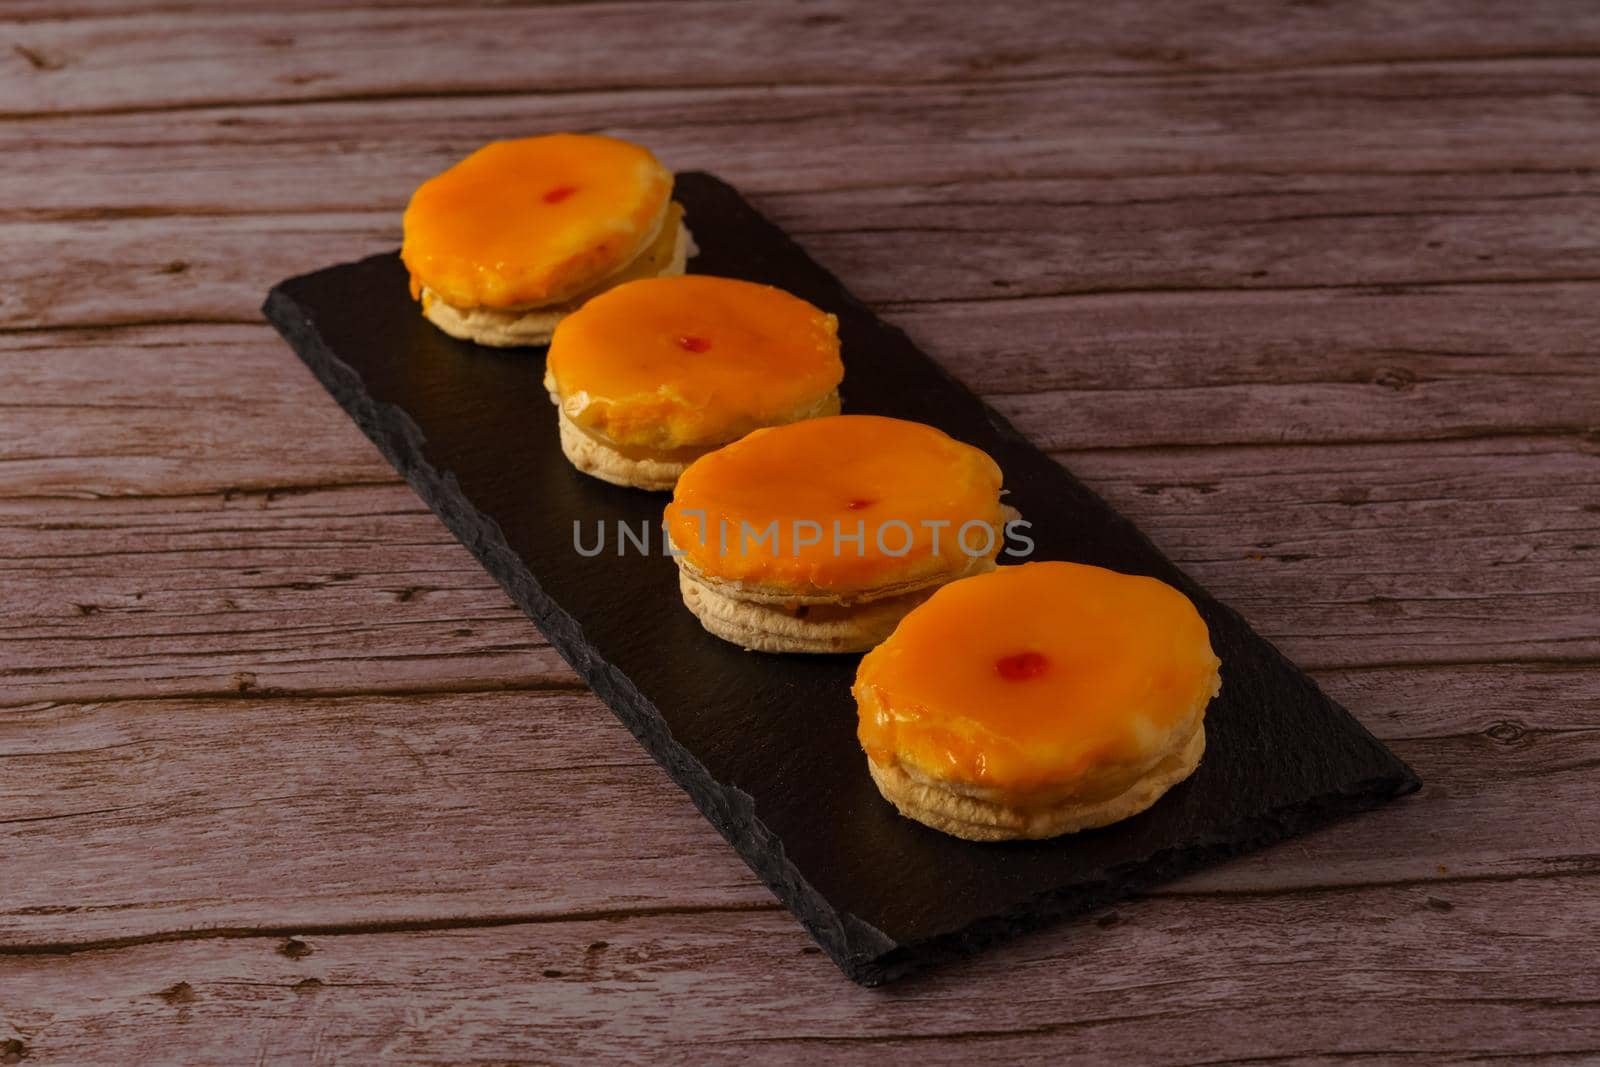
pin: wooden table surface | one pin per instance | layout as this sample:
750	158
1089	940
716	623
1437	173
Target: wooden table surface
1310	291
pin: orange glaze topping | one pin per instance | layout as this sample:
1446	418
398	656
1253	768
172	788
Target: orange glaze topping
533	221
903	486
1035	675
692	360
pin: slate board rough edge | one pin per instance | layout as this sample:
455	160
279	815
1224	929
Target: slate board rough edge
865	954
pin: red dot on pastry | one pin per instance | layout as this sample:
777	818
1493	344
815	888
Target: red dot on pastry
1021	667
857	505
693	344
559	193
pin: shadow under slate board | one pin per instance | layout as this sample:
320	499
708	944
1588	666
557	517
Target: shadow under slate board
766	744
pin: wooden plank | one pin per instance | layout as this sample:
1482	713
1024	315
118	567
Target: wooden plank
1304	127
358	810
1109	371
1377	540
897	245
1429	552
1409	975
31	11
1389	340
1041	237
155	61
455	808
340	590
1450	552
1385	340
86	415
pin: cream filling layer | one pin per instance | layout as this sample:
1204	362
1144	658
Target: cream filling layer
524	325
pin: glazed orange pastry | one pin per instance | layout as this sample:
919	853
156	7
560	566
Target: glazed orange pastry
653	374
520	233
820	535
1037	700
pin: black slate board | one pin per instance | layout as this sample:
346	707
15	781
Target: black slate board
766	744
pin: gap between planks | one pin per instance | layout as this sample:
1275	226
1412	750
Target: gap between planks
1574	868
1584	436
117	213
251	692
398	926
795	86
1395	288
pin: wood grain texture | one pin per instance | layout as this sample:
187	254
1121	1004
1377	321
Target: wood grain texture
204	594
1303	130
421	775
1428	976
1361	238
146	59
1308	292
